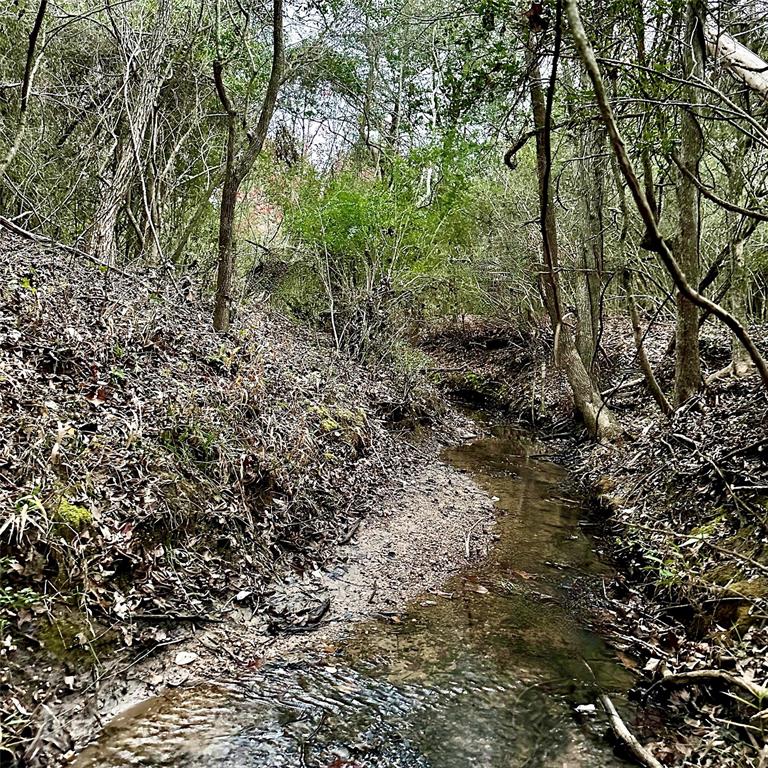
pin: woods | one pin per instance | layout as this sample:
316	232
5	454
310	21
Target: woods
148	123
253	250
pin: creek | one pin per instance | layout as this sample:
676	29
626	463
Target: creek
488	672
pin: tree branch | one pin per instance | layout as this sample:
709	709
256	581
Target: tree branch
656	241
710	195
257	139
30	64
221	91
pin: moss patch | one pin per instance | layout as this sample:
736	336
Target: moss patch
71	639
73	515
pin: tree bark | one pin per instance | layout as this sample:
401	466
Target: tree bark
589	282
687	360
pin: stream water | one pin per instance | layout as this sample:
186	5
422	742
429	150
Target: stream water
487	673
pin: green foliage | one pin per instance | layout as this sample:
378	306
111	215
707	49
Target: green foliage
16	599
409	238
193	442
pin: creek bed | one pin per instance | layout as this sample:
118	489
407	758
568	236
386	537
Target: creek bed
488	672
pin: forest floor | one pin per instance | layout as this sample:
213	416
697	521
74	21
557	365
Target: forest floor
175	500
685	508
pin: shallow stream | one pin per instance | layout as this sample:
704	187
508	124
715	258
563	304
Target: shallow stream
487	673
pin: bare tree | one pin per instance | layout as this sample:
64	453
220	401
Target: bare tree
239	162
653	236
26	86
142	81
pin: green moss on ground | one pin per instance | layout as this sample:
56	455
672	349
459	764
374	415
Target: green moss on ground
74	515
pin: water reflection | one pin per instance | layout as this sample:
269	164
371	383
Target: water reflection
485	674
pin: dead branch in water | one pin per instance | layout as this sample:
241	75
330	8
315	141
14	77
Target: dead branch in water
623	733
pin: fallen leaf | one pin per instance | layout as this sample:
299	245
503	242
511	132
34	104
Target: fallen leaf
185	657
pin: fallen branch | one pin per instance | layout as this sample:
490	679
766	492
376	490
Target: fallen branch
744	64
27	235
44	240
643	756
699	538
760	692
624	385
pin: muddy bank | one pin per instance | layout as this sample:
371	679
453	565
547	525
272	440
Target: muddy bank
427	524
488	669
682	509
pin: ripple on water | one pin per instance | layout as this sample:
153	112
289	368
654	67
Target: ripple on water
483	679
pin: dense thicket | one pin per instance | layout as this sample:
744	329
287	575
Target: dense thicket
346	158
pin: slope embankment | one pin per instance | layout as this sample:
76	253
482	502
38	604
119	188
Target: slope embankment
159	481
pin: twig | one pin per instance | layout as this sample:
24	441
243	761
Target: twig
697	676
744	448
455	369
175	617
469	535
698	537
351	531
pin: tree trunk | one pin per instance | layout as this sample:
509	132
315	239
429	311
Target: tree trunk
589	281
740	360
597	417
226	245
239	165
738	233
687	360
26	87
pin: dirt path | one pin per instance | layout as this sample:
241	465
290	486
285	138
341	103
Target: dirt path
425	523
